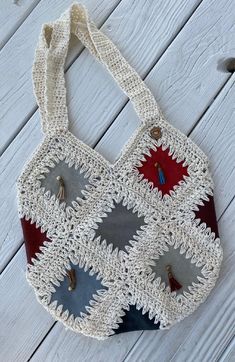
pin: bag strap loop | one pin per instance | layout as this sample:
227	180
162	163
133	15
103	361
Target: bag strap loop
48	68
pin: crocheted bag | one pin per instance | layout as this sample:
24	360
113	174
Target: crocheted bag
114	247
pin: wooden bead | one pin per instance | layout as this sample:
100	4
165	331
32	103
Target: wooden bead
156	133
71	274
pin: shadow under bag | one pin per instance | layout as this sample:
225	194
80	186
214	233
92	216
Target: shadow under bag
116	247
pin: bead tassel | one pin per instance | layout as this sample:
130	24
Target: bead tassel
61	192
161	175
174	284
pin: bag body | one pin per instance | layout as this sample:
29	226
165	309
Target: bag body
114	247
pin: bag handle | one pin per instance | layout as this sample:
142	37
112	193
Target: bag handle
48	68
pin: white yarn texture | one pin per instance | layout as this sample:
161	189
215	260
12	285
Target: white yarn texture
170	219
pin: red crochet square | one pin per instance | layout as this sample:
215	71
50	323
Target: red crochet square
173	171
33	238
207	215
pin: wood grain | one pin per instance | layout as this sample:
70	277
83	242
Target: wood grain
229	353
17	58
184	67
23	322
12	15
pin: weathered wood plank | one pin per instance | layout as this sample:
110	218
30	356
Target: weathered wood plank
61	345
17	58
229	353
23	322
215	135
33	129
204	44
195	47
12	15
86	98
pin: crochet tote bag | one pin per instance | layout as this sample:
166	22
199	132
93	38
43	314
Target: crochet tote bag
114	247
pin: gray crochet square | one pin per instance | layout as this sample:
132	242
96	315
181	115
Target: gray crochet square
183	270
119	226
74	181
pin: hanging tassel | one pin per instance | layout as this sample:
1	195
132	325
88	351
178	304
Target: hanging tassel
174	284
60	194
161	175
72	279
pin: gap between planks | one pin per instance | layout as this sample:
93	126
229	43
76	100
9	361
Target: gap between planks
80	51
68	65
18	22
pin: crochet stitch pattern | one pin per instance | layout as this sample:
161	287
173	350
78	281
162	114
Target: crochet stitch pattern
169	217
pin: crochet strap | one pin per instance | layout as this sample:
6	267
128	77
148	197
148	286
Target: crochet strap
48	68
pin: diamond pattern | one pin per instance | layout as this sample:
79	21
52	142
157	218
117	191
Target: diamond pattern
172	170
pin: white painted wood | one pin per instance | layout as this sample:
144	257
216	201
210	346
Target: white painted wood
192	46
12	15
17	101
23	322
229	353
215	312
215	135
142	43
205	43
11	164
91	91
61	345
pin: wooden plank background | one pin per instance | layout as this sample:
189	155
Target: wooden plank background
180	49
